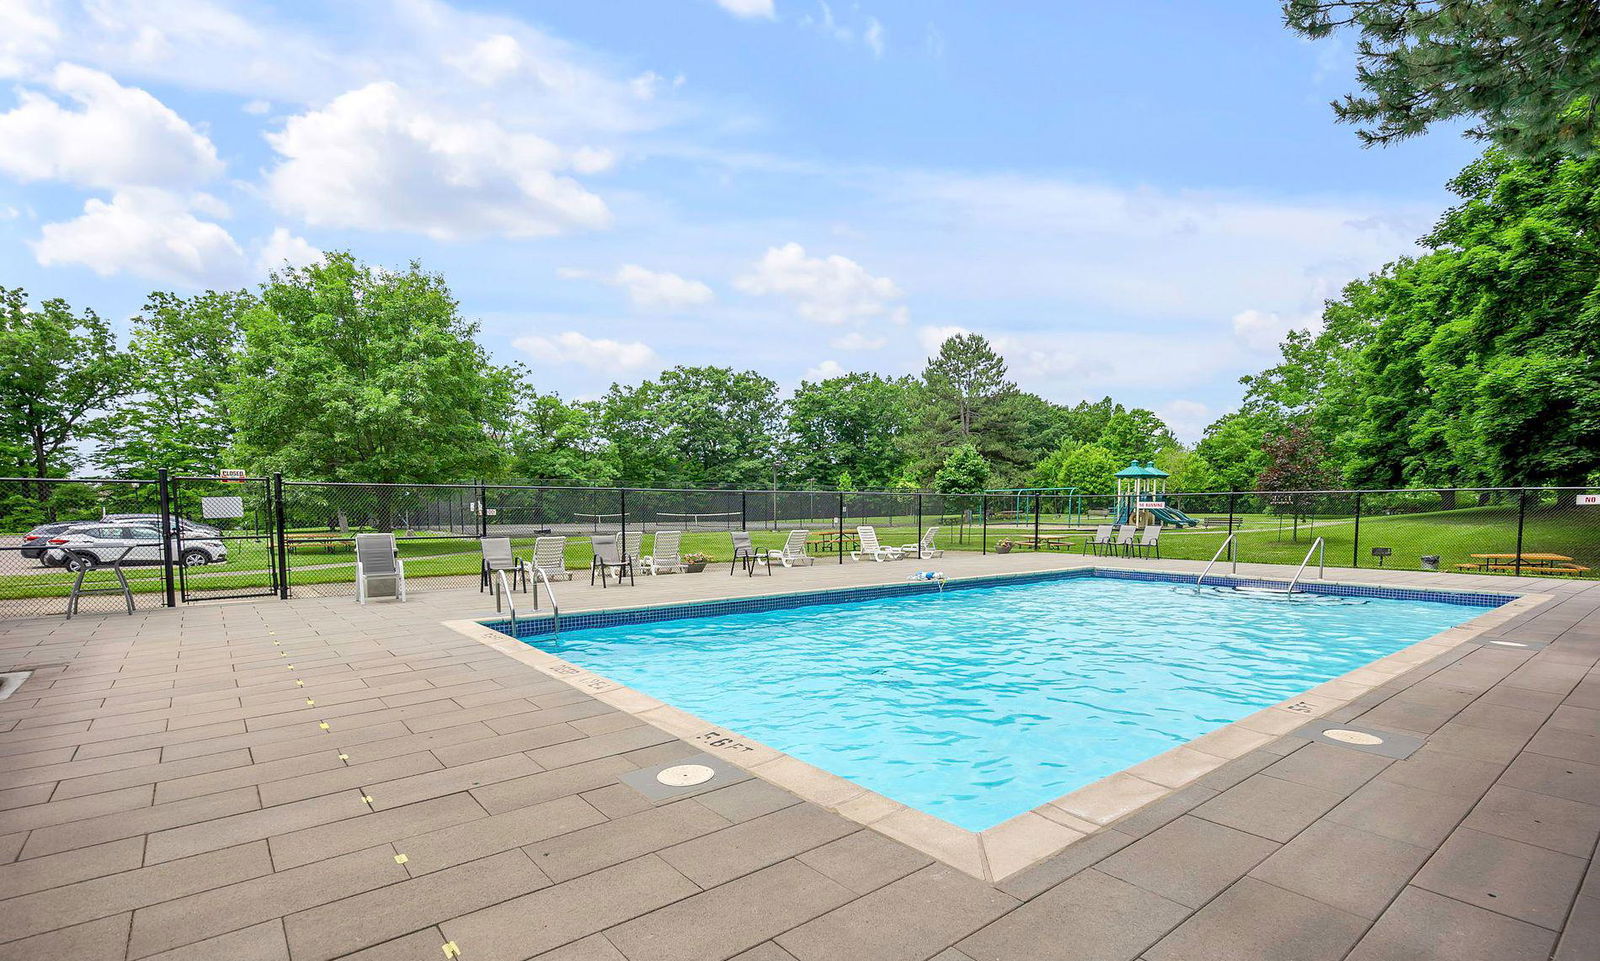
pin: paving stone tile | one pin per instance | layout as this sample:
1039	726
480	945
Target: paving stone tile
174	923
71	770
750	798
413	947
1254	920
1090	917
1268	807
865	861
174	745
731	917
252	825
346	777
1509	877
484	836
1336	769
1403	813
1558	777
611	842
103	940
730	852
145	820
1352	870
450	780
1433	770
1160	813
68	867
362	830
1569	744
1189	861
596	948
337	928
617	800
549	918
1032	881
18	797
1550	822
1423	926
260	942
502	745
604	745
912	918
536	788
77	809
580	708
280	743
1476	742
87	900
1581	939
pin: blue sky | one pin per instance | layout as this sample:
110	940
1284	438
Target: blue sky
1134	199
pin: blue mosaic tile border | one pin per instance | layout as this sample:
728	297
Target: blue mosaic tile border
540	625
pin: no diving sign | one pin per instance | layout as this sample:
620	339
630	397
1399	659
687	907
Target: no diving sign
1589	500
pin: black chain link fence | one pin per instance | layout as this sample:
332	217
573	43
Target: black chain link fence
259	537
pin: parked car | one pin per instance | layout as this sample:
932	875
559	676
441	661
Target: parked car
189	528
35	543
86	545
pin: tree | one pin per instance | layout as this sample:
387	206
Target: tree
1187	471
355	374
60	374
1135	435
853	425
695	427
966	399
182	353
551	440
1089	467
964	472
1232	448
1525	70
1296	461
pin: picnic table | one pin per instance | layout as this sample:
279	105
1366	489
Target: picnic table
1534	563
1045	542
829	542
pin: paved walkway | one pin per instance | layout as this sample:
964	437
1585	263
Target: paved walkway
314	780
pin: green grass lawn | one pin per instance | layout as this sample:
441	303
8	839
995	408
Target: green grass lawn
1454	535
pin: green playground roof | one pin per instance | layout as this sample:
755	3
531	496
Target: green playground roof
1136	469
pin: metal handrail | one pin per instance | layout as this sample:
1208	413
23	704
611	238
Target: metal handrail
1233	555
501	587
1320	548
555	608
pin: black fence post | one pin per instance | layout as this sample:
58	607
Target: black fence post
483	510
744	510
839	539
279	532
622	536
919	525
165	496
1522	514
983	516
1355	549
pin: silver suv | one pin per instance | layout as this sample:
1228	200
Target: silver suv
91	544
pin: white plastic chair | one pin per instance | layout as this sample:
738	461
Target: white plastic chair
378	560
664	557
793	551
871	548
550	557
925	547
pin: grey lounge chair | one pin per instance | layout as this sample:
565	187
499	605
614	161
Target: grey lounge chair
1149	541
378	560
1124	542
744	552
498	556
1101	538
608	557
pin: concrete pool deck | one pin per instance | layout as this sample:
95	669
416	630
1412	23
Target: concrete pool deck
172	788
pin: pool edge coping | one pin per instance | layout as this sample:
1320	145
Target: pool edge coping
998	852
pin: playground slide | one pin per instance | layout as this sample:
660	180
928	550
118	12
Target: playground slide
1171	515
1122	512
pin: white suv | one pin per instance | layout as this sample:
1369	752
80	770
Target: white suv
92	544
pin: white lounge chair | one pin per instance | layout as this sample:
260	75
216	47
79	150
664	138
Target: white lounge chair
664	557
378	560
632	543
871	548
925	547
793	551
550	557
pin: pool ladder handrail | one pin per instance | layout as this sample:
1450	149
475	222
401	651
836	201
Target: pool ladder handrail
503	589
1320	548
1232	554
555	607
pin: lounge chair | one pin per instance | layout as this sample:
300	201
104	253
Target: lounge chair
745	553
498	556
793	551
632	544
1124	541
378	560
871	548
550	557
608	557
1149	541
1101	538
926	546
664	559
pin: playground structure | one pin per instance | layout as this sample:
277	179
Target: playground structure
1142	497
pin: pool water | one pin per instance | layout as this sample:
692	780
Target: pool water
978	704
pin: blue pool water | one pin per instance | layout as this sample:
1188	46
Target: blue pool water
979	704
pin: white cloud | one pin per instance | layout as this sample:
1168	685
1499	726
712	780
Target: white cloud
143	231
828	290
491	61
117	137
606	356
749	9
376	159
823	371
931	337
1187	418
873	36
1264	330
661	289
856	340
282	247
27	34
257	108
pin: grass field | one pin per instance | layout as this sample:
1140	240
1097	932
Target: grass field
1453	535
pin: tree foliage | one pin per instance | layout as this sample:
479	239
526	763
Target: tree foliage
853	426
967	399
964	472
1527	71
694	427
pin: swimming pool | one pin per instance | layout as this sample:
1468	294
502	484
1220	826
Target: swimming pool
978	704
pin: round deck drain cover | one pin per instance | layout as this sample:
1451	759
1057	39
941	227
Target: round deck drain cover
1352	737
686	775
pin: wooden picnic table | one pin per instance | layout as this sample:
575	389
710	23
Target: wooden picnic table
1534	563
829	542
1045	542
1527	558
